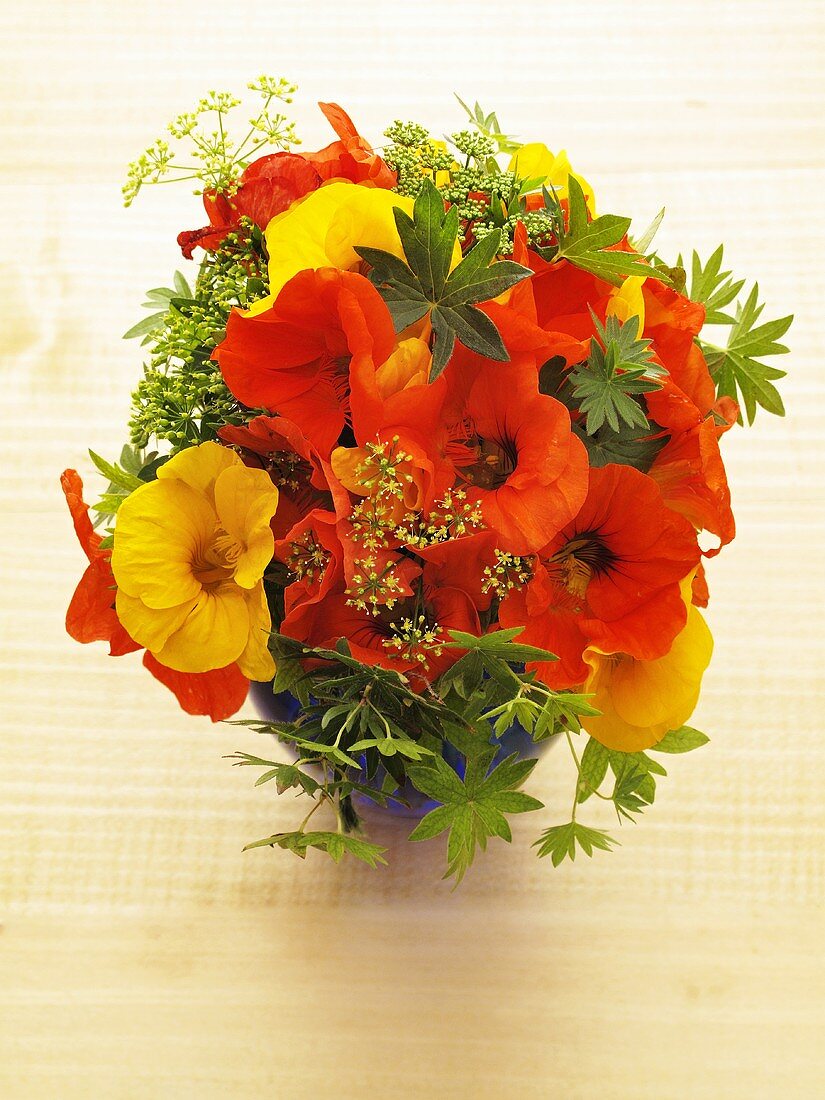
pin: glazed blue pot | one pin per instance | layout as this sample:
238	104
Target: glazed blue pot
283	707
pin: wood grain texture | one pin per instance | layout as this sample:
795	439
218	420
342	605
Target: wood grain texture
142	955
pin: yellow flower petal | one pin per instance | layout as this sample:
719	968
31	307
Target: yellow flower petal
160	530
246	500
256	661
535	161
627	301
200	466
214	634
321	230
150	627
641	701
409	365
348	465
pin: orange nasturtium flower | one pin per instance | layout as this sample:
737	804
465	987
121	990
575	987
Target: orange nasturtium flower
189	556
640	701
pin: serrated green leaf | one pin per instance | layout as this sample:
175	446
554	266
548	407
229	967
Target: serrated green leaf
501	644
585	243
593	769
736	369
644	242
559	842
620	366
115	474
433	823
488	125
629	446
713	287
684	739
635	786
109	503
336	845
425	284
472	809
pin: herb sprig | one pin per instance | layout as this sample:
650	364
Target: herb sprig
366	731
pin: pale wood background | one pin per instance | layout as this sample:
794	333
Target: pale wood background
142	955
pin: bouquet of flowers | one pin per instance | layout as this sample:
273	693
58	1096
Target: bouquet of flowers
430	448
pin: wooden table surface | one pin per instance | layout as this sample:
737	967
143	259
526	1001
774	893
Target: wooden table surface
142	955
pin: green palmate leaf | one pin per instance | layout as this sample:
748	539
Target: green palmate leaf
585	243
635	785
286	776
488	125
646	240
473	809
562	710
116	474
501	644
109	503
737	370
620	367
392	746
713	287
684	739
425	285
542	713
123	480
336	845
629	446
494	656
560	841
135	468
592	769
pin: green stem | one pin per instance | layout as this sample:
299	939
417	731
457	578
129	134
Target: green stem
316	805
240	148
581	778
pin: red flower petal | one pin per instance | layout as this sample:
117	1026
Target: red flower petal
217	694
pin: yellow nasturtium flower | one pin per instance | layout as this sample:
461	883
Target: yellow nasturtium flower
535	161
190	550
322	229
641	701
627	301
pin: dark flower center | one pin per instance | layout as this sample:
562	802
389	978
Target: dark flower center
490	462
584	556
